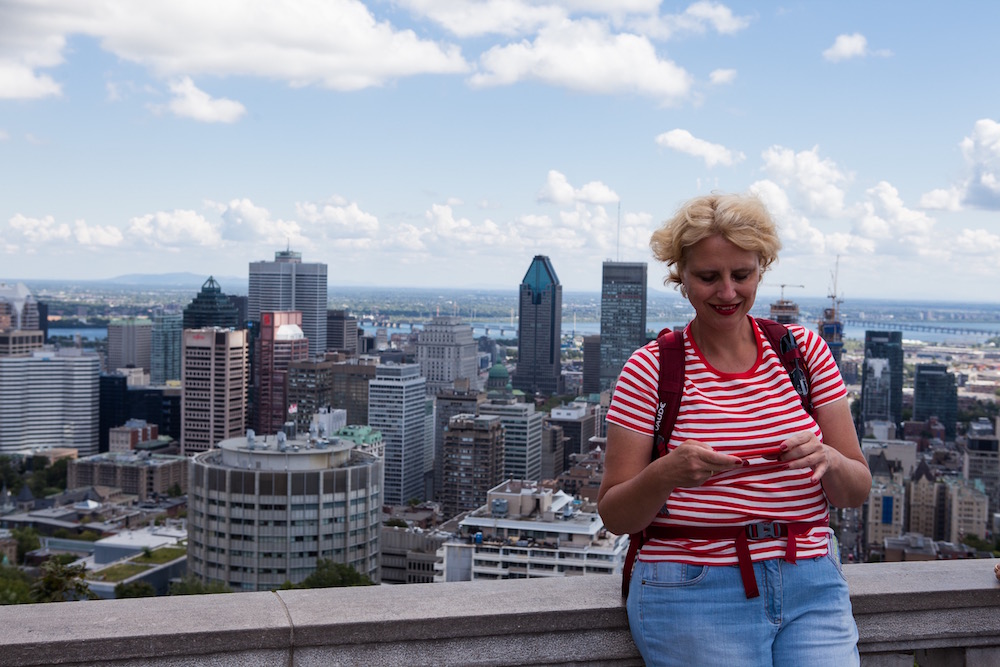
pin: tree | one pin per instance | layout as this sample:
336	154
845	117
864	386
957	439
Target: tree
394	522
175	490
27	540
59	582
136	589
191	585
15	586
329	574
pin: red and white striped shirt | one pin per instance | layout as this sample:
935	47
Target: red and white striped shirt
733	413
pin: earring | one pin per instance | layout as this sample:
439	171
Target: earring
684	290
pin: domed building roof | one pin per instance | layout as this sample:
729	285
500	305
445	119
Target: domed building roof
499	371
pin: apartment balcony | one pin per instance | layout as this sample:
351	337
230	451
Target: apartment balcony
932	613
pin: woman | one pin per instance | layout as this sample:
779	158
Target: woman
689	603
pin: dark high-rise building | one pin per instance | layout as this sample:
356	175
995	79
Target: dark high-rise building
447	404
592	364
242	304
935	395
211	308
279	342
288	284
117	403
473	462
539	331
886	345
341	332
623	316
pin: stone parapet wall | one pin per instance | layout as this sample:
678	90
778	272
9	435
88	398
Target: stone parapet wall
939	612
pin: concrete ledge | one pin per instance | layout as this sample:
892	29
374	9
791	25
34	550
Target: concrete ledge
942	610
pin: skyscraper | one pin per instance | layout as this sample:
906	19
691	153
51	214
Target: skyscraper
447	404
472	462
49	399
287	284
539	331
522	436
165	353
623	316
211	308
886	345
935	395
279	343
397	407
19	311
214	378
130	343
447	351
341	332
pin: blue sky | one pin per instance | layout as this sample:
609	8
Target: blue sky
442	143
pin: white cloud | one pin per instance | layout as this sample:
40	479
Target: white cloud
172	230
501	17
20	82
798	235
855	45
106	236
943	199
338	219
816	181
190	102
583	55
242	220
713	154
978	242
721	77
698	18
39	231
980	187
4	136
337	44
897	229
558	190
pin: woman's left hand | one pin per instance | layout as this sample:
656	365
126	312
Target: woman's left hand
805	450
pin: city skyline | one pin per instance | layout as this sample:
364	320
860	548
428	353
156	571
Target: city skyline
450	142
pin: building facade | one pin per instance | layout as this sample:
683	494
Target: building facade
882	383
623	316
263	510
527	530
130	343
935	394
50	399
472	462
214	380
136	474
522	436
279	343
211	308
539	331
341	332
288	284
165	348
397	408
447	351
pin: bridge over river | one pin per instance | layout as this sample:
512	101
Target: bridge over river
985	329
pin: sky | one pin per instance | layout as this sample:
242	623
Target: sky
442	143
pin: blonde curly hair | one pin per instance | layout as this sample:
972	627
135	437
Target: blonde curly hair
741	219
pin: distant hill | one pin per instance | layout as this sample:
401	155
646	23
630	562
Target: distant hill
194	280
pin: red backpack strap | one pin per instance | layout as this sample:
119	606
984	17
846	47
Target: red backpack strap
785	346
669	389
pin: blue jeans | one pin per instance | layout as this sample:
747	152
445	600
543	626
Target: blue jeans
699	615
